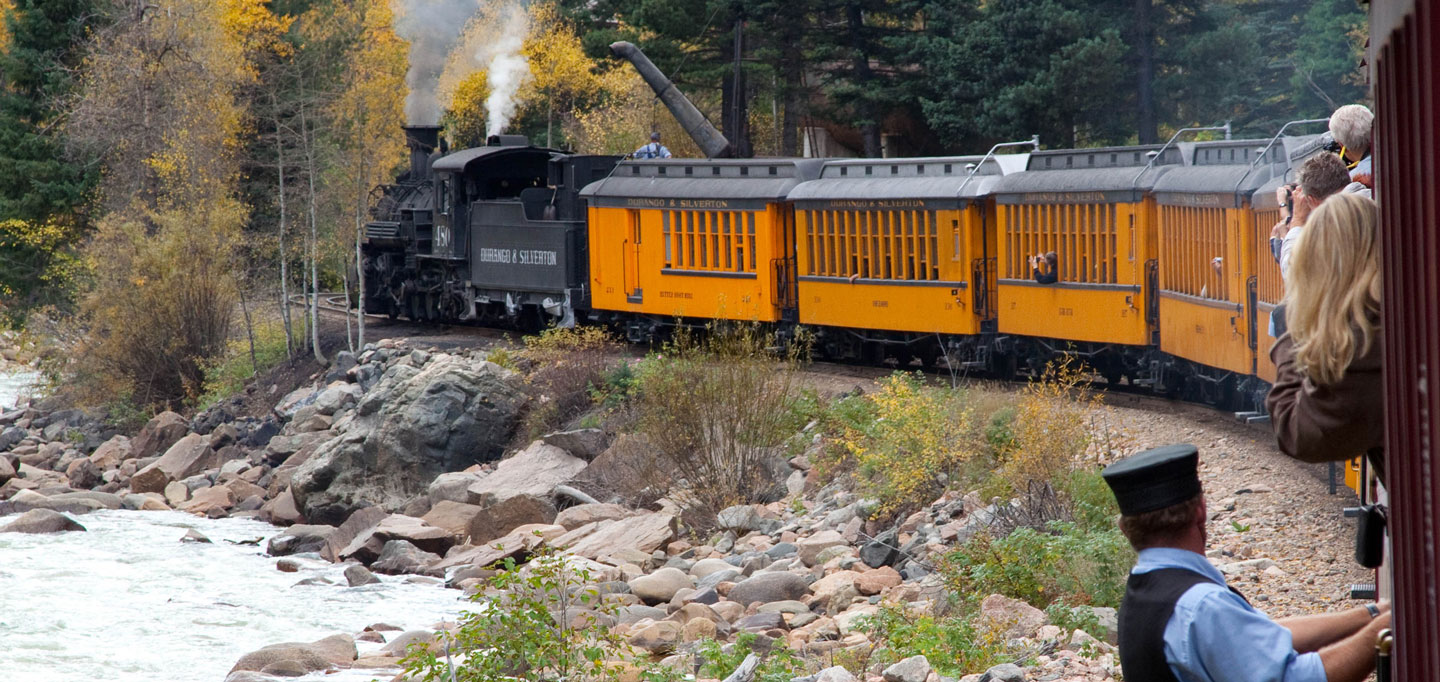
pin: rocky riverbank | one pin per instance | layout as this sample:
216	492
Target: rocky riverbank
393	462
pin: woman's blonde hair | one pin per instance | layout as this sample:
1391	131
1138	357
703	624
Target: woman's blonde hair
1333	296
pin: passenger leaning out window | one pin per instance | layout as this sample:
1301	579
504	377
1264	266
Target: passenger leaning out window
1045	269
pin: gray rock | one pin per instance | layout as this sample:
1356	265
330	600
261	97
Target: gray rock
630	615
189	456
769	587
313	656
403	641
582	514
728	575
83	474
1109	622
913	669
299	539
337	397
507	513
11	437
834	674
358	575
761	622
587	444
196	536
412	426
810	548
660	586
41	521
159	434
705	567
399	556
781	550
368	545
535	471
250	676
452	486
1005	672
881	551
745	518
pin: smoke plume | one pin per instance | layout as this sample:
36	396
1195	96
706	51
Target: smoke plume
432	27
507	71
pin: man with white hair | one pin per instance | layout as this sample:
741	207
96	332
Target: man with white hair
1352	126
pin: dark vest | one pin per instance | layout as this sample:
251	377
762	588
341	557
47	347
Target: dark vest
1149	601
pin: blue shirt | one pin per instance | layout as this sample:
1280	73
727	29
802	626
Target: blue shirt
654	150
1214	636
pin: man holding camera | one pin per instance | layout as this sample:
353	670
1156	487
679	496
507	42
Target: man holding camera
1319	177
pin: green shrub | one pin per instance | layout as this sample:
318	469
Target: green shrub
1069	563
954	645
534	623
565	367
1068	617
999	434
918	443
228	374
1091	503
779	663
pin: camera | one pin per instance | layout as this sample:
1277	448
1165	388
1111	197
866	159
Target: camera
1329	144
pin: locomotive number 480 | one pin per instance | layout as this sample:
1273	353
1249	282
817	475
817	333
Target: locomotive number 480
1067	312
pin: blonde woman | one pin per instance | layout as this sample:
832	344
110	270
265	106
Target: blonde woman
1327	403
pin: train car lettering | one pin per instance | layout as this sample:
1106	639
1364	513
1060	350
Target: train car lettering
1067	312
677	294
880	304
519	256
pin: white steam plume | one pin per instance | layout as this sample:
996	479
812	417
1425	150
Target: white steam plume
507	71
432	27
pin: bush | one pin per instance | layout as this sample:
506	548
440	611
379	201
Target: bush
1063	563
228	374
1047	430
779	663
917	444
718	408
565	367
954	645
537	622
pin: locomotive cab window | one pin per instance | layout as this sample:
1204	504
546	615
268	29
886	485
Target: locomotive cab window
444	194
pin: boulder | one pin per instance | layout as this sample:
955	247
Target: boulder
358	522
300	539
369	544
883	550
877	581
768	587
83	474
840	584
517	545
400	645
358	576
399	556
209	500
746	517
645	533
452	486
41	521
587	444
452	516
913	669
1005	672
811	547
176	493
414	425
534	471
7	470
112	452
281	509
660	586
311	657
705	567
835	674
1013	617
159	434
27	500
189	456
582	514
657	638
336	397
100	500
1109	620
504	514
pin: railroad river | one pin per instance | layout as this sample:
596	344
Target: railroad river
128	602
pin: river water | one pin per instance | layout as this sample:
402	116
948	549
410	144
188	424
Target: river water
126	601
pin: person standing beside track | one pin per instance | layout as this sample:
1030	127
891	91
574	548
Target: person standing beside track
1328	403
1180	621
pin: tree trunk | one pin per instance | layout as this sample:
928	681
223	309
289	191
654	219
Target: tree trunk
313	245
1145	74
284	256
734	106
249	326
864	77
360	207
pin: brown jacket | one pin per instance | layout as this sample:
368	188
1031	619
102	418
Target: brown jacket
1327	423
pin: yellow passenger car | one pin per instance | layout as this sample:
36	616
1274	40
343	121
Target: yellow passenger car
691	238
1208	253
893	255
1091	208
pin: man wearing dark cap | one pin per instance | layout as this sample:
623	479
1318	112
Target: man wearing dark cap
1180	622
654	150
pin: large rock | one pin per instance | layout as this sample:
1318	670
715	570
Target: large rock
159	434
811	547
83	474
452	516
746	517
27	500
187	457
1005	672
112	452
281	509
534	471
300	539
507	513
413	425
319	655
768	587
41	521
368	545
913	669
1013	617
660	586
583	514
452	486
399	556
210	500
883	550
645	533
587	444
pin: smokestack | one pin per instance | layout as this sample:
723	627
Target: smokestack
710	140
422	141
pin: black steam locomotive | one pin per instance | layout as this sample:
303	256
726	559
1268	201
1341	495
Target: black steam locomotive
489	235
